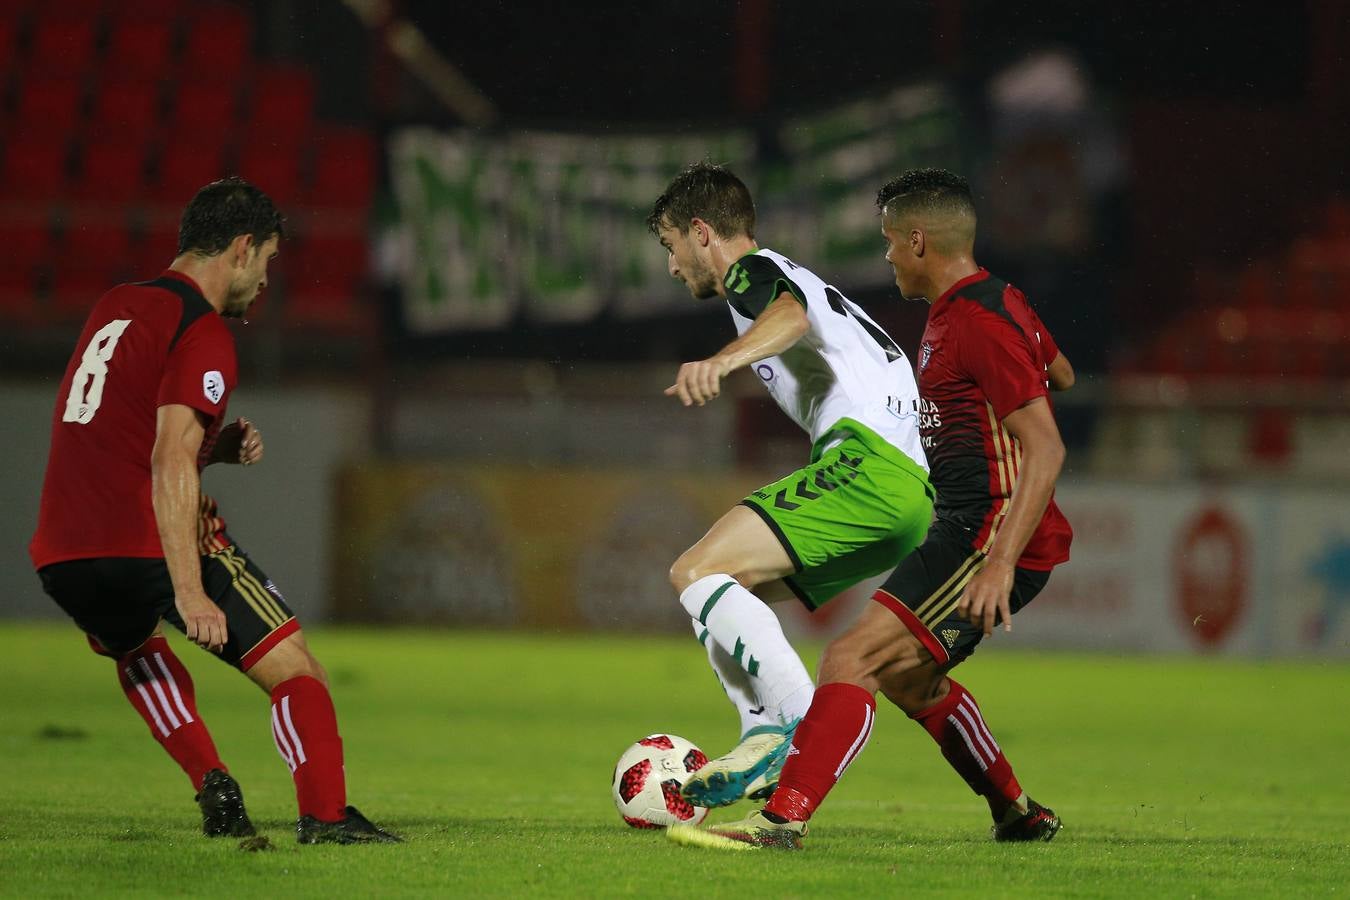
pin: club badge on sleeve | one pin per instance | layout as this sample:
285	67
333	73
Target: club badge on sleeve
213	386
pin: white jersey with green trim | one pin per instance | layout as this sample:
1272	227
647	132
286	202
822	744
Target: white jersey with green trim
845	366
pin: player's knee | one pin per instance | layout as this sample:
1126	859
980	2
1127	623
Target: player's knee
690	567
913	683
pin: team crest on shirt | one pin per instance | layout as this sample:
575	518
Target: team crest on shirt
925	354
213	386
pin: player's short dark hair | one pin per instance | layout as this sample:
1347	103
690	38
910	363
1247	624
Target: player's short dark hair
222	211
709	192
926	190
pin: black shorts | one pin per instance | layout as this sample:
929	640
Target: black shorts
119	601
928	584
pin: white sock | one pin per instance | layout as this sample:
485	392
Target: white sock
735	681
744	627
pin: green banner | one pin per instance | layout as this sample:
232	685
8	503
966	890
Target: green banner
552	225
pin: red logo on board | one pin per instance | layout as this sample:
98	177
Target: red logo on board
1210	567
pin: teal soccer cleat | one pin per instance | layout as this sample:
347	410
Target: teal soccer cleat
750	769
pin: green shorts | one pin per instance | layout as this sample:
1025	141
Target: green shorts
854	513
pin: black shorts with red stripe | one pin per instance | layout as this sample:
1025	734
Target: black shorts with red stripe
119	602
925	588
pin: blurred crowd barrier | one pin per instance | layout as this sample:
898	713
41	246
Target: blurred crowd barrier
485	499
1181	568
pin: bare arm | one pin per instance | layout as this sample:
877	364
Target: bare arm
1059	373
781	325
1034	427
176	494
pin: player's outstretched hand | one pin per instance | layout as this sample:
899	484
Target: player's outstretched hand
239	442
698	382
203	621
987	595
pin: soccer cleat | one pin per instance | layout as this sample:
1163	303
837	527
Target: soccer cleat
1037	824
750	769
222	805
755	832
352	828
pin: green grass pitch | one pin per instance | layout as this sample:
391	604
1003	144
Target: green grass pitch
492	754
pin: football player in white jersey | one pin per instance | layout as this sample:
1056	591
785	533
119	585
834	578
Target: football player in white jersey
860	505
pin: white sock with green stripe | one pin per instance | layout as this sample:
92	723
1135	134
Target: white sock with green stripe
736	682
745	628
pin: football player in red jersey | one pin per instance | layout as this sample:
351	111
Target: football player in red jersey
986	365
126	538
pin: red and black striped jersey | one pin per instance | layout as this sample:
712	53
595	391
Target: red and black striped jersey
143	346
984	355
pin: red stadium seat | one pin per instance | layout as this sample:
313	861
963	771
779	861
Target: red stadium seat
326	282
167	11
128	106
102	247
139	48
274	169
219	41
331	260
282	105
8	43
49	105
26	244
112	173
34	168
19	303
62	45
205	110
344	170
75	290
157	248
186	165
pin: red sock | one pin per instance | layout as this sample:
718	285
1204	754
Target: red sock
304	726
828	739
161	691
956	724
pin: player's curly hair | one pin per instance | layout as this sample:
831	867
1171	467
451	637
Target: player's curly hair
709	192
222	211
926	190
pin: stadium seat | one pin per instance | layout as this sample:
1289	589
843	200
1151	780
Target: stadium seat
205	110
25	244
156	249
282	103
185	165
344	170
19	302
75	290
8	45
219	41
100	246
62	45
49	105
139	48
34	168
274	169
125	106
167	11
112	173
326	281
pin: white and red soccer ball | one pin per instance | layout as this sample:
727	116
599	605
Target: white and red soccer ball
648	778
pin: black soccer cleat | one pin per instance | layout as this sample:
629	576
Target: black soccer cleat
1037	824
352	828
222	805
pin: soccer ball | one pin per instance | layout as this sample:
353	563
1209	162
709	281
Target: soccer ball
647	781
